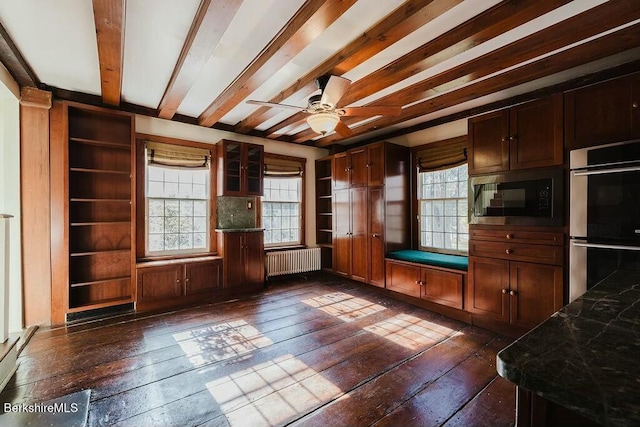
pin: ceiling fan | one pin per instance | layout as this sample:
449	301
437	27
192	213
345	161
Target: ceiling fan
324	113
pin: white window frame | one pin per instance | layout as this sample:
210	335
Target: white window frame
299	202
436	197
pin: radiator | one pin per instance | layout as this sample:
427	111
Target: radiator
293	261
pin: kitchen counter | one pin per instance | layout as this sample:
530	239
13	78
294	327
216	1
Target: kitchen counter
586	356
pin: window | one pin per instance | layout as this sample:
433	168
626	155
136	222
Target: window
442	198
282	211
177	206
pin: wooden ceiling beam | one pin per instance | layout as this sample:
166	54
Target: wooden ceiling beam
586	24
398	24
209	25
602	47
13	61
109	16
314	17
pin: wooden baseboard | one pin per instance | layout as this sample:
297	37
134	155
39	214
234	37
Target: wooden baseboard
8	361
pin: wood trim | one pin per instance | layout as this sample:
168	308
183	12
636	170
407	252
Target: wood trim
209	25
175	141
58	163
598	48
491	23
312	18
13	61
398	24
36	98
109	16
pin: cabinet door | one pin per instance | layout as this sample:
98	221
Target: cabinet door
403	278
253	168
233	262
376	236
254	259
535	135
359	234
602	113
488	289
489	143
232	159
375	164
341	230
155	283
203	277
442	287
341	165
358	167
536	292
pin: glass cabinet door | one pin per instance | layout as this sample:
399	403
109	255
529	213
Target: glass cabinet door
254	169
233	167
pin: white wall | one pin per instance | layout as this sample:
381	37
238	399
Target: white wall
160	127
10	189
433	134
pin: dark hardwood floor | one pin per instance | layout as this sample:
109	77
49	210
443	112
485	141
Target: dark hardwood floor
314	351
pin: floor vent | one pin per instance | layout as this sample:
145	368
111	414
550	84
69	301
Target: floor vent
292	261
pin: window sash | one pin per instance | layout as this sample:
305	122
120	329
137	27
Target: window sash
275	201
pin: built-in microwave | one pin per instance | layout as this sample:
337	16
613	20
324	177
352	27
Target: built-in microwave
517	198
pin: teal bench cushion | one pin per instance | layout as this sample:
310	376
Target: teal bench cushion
456	262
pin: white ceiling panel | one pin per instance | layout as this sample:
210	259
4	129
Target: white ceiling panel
155	33
57	39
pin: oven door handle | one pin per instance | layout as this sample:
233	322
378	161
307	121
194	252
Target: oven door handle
604	246
587	172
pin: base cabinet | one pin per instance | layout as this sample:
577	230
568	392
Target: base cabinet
429	283
167	283
243	260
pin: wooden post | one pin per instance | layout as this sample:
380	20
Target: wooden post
35	193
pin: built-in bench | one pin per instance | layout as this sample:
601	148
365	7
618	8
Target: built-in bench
433	277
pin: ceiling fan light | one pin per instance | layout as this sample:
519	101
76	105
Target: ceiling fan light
323	123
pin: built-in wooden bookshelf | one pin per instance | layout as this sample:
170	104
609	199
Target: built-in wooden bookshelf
97	208
324	211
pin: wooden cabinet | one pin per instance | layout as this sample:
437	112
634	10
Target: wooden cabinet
240	169
515	276
324	211
603	113
438	285
243	260
369	211
174	282
526	136
92	208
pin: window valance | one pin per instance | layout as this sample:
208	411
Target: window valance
179	156
277	165
442	154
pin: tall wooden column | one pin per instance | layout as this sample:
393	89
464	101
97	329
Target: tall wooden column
35	192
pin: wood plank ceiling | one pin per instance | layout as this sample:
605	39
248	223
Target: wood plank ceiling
199	61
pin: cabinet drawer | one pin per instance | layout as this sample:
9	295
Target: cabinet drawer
542	254
441	287
516	236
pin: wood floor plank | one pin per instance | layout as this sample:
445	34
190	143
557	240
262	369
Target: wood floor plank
316	350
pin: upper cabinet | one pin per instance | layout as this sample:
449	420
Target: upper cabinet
240	168
359	167
521	137
603	113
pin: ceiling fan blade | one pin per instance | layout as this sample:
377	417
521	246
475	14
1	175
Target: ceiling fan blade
334	90
271	104
343	130
372	111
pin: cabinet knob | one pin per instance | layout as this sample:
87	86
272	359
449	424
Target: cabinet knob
508	251
504	291
186	279
513	138
376	235
513	293
504	139
509	236
635	104
177	280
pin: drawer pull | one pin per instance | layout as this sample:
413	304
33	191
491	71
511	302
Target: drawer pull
513	293
508	251
504	291
509	236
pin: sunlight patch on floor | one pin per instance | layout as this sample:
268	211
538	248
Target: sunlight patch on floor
273	394
344	306
410	332
219	342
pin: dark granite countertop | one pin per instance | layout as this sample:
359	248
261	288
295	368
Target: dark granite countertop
586	357
238	230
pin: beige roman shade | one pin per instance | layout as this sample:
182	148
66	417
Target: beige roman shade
442	154
276	165
178	156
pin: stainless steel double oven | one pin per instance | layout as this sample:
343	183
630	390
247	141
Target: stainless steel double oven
604	215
